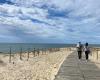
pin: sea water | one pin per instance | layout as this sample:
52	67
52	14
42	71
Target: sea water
16	47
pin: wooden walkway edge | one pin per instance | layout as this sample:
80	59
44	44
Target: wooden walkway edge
73	69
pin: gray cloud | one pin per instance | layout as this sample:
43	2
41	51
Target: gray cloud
70	20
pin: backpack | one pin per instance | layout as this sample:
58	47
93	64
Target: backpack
87	49
80	47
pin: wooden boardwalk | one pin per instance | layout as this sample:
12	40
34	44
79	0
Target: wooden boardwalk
73	69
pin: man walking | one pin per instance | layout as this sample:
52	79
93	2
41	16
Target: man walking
79	50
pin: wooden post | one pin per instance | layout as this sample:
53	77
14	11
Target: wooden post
97	54
45	50
48	50
28	54
70	49
42	51
59	49
34	52
10	55
38	51
20	53
94	54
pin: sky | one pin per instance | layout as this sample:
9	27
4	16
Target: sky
49	21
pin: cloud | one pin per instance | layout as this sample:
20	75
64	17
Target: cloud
65	20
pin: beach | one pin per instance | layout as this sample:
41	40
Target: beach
95	54
42	67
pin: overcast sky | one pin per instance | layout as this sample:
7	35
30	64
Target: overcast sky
50	21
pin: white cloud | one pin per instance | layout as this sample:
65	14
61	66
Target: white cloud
81	20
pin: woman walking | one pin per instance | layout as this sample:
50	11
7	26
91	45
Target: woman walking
87	51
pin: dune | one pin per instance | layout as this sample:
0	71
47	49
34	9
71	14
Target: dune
42	67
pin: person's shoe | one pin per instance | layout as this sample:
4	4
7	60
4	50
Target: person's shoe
79	60
86	60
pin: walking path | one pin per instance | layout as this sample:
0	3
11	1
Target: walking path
73	69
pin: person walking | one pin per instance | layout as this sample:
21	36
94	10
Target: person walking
78	44
87	51
79	50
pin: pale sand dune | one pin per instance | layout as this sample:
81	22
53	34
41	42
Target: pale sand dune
95	55
43	67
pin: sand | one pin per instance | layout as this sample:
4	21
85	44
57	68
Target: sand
95	55
42	67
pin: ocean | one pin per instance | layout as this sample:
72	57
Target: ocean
16	47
